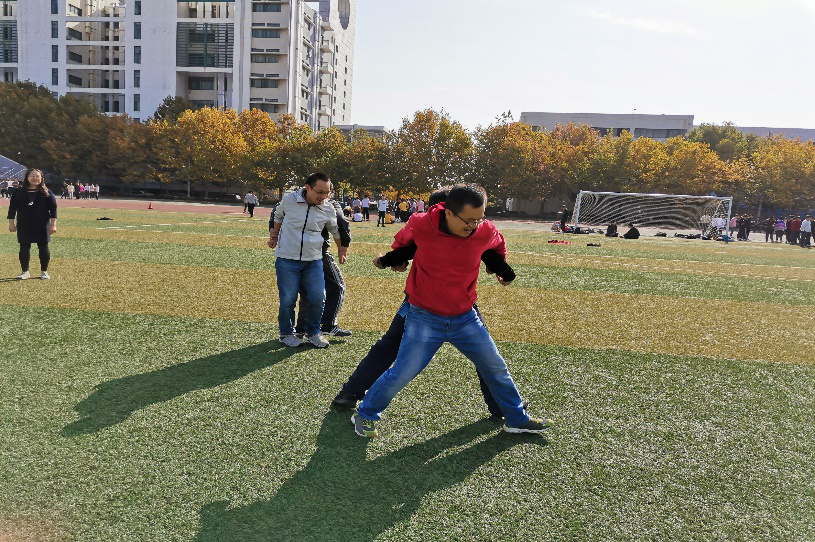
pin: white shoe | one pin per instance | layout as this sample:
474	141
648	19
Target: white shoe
24	275
290	340
317	340
44	275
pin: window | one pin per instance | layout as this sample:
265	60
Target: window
137	54
265	59
74	80
199	104
73	10
137	7
54	76
266	7
265	33
55	53
136	31
54	29
75	57
266	108
263	83
74	34
54	7
201	83
136	78
137	102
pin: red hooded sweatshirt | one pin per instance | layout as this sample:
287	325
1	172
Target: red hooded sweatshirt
445	269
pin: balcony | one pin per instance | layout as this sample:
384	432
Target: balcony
325	91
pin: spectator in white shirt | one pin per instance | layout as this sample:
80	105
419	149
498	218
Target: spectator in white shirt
382	206
366	203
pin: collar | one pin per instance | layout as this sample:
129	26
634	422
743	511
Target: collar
300	195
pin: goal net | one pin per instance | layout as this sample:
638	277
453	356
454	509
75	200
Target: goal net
707	215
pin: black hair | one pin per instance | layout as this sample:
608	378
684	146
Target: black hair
438	196
465	194
314	177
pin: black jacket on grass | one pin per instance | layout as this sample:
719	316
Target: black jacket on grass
33	212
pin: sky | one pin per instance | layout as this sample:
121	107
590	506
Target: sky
751	62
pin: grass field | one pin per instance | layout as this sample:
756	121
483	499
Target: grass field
145	396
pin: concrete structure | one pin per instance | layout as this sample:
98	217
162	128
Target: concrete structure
804	134
127	56
659	127
374	131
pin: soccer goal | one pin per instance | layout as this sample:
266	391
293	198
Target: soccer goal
708	215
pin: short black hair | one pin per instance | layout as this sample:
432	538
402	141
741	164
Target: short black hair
314	177
465	194
438	196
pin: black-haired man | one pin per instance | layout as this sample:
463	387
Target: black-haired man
298	222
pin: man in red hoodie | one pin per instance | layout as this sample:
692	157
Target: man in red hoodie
450	239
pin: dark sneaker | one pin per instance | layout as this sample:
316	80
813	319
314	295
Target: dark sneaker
498	417
344	401
363	427
337	331
534	425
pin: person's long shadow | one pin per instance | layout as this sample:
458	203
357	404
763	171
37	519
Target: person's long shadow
342	496
114	401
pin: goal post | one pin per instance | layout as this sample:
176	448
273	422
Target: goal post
705	214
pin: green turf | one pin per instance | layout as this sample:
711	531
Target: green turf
141	427
787	292
155	428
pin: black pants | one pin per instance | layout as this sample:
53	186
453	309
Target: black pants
251	207
805	237
365	214
779	235
381	218
334	296
383	354
25	256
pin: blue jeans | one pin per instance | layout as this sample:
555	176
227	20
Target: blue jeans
291	276
424	334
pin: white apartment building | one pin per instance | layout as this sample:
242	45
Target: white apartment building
659	127
127	56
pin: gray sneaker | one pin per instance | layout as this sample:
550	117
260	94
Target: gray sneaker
363	427
44	275
534	425
25	275
290	340
317	340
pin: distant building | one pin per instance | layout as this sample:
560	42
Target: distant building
805	134
9	169
374	131
126	56
659	127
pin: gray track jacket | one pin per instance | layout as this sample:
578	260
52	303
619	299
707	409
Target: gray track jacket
300	235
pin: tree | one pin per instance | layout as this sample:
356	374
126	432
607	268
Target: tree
171	108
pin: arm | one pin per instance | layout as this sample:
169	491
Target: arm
52	213
497	264
342	251
12	212
274	231
396	259
343	226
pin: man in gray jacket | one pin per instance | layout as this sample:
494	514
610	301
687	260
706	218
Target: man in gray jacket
297	235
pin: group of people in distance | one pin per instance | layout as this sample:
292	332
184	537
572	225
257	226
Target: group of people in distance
447	244
797	231
80	190
399	211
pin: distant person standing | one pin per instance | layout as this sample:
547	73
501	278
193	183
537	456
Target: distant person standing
382	207
356	205
806	232
420	206
251	202
769	230
780	226
734	223
366	204
403	210
96	191
91	191
565	216
4	189
35	208
795	231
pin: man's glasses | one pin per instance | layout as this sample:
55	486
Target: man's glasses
320	192
470	223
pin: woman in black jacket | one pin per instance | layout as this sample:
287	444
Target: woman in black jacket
36	210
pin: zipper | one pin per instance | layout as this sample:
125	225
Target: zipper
303	233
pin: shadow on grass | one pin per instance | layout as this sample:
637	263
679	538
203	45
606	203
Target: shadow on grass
114	401
342	496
